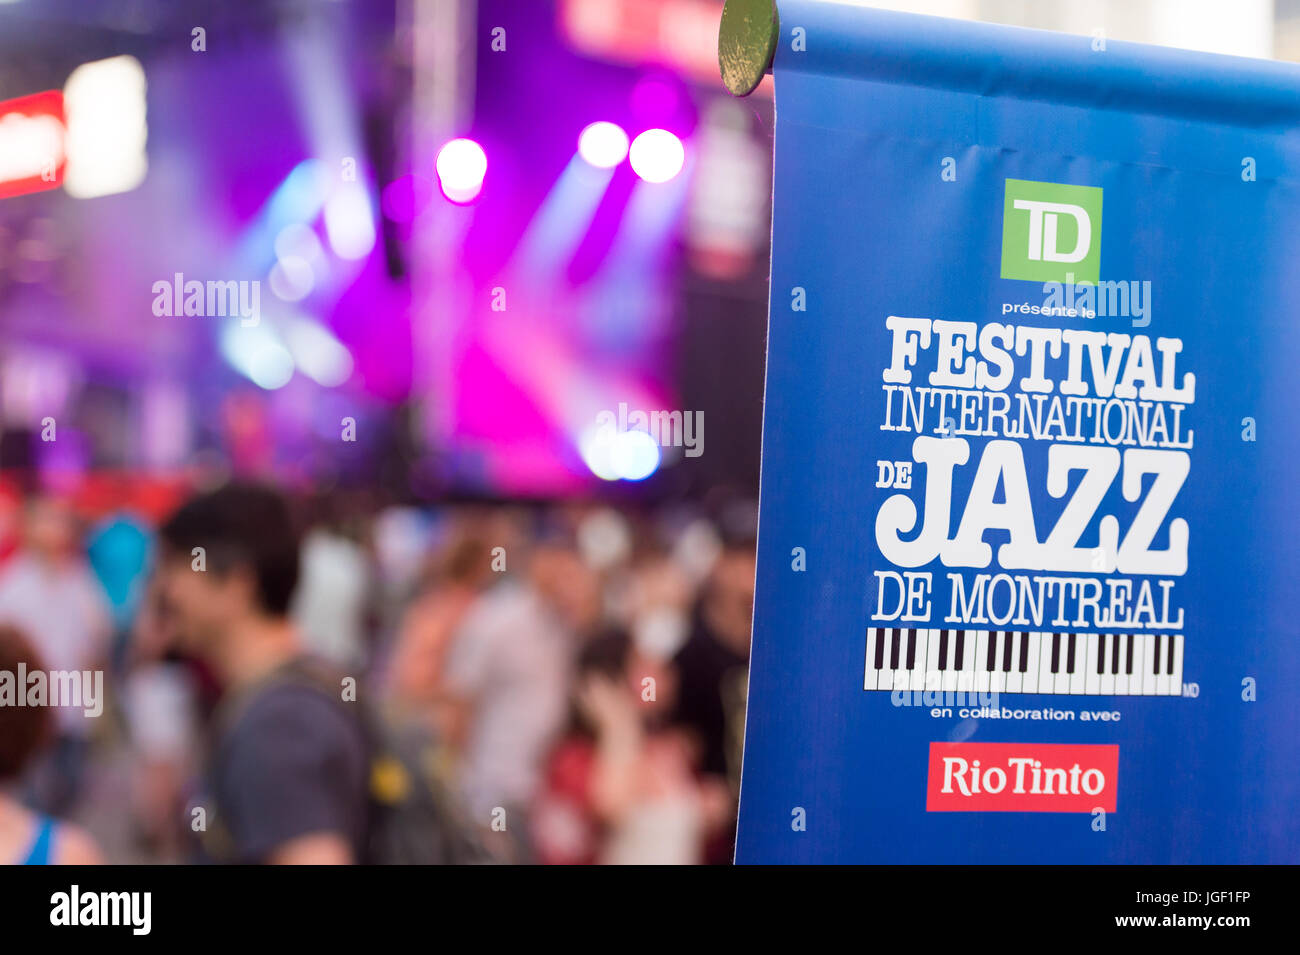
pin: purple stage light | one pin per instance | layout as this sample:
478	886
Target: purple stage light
603	145
657	155
461	166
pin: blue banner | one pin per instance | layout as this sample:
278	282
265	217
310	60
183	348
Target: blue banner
1027	542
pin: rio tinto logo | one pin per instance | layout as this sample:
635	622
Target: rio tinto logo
1022	777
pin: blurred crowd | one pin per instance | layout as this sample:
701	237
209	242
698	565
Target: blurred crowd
575	675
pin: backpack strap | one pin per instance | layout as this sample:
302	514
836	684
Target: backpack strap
303	671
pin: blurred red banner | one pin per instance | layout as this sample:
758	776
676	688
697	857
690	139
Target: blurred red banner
32	138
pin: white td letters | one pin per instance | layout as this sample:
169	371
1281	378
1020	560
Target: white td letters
1043	217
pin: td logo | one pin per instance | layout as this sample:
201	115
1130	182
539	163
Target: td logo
1050	230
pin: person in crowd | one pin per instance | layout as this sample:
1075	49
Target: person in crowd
509	665
287	771
657	604
333	598
47	589
454	577
27	837
491	649
714	668
622	787
161	702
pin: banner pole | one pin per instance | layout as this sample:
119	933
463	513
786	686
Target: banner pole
746	43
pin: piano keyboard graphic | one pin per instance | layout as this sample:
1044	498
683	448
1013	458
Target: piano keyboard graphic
998	661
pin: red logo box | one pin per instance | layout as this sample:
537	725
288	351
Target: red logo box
32	137
1022	777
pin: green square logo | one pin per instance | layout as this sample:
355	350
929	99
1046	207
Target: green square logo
1050	232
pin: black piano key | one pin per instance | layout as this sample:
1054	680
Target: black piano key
880	649
959	651
911	649
1101	654
1069	657
1006	652
993	652
1056	653
893	652
943	649
1169	658
1114	654
1129	668
1024	653
1155	656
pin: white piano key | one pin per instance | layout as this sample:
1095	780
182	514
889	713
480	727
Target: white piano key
1176	679
1046	678
1148	658
1065	682
869	681
997	679
886	671
1108	647
1062	678
968	677
982	674
1091	678
952	675
933	677
948	680
1121	677
1078	676
1135	677
998	676
902	679
951	664
886	680
1010	658
902	676
917	673
1162	664
1030	682
1159	647
1015	677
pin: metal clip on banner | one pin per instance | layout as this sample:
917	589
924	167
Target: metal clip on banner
1027	553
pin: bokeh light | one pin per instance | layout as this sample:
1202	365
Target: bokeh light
603	145
461	167
634	455
657	155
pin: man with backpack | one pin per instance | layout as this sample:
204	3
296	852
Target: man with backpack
287	766
301	769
